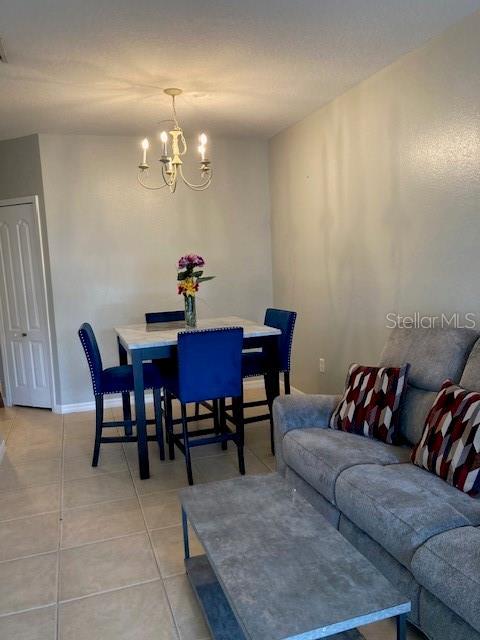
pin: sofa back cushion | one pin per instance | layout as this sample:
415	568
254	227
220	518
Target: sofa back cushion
434	355
471	374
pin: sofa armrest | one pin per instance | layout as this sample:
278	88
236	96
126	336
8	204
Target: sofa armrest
300	412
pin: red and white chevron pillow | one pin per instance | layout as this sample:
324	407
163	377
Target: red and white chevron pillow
370	405
450	443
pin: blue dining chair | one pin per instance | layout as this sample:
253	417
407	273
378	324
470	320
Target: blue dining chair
119	380
209	368
260	362
160	317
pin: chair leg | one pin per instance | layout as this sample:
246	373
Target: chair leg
216	419
272	384
169	425
186	444
127	413
223	422
157	403
286	382
98	429
237	410
197	410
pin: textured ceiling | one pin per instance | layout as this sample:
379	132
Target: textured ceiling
247	66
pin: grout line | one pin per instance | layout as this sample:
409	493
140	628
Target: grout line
60	532
40	606
30	555
167	599
113	590
111	538
31	515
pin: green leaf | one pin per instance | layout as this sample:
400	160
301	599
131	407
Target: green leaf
182	275
197	274
204	279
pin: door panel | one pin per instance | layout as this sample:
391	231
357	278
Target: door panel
24	312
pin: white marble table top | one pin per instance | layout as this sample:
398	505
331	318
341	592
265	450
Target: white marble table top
165	334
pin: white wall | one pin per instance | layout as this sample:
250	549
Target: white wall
114	246
376	206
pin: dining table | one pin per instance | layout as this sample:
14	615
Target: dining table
155	341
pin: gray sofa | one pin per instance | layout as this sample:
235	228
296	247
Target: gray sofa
420	532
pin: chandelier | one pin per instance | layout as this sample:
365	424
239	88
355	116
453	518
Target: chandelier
174	147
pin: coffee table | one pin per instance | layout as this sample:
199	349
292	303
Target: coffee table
275	569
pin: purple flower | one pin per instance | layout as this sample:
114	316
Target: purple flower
191	260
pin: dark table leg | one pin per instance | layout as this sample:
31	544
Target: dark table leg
137	362
186	545
127	409
402	627
272	389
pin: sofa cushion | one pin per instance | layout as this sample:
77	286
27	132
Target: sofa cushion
450	444
434	355
471	374
401	506
320	455
448	565
370	405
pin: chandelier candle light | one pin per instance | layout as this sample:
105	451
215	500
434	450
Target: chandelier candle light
189	276
174	147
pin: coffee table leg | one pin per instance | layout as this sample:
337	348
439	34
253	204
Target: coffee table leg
402	627
186	545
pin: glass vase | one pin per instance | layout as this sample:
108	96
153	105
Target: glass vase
190	312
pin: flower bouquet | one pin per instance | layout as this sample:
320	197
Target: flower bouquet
189	276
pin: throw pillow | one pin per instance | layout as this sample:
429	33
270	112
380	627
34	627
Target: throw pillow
370	405
450	443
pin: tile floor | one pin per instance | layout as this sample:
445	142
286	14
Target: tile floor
96	554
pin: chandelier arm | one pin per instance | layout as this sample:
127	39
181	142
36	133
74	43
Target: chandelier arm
197	187
168	181
146	186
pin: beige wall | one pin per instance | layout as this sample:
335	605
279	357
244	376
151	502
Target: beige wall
376	206
114	246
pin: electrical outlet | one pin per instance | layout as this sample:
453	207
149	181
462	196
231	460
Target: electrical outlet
321	365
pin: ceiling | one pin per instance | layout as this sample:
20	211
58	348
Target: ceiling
248	67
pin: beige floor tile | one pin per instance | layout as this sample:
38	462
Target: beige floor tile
28	415
79	416
29	501
32	474
5	428
78	447
136	613
111	461
102	488
164	476
185	608
28	583
38	624
224	467
385	630
35	434
26	536
101	521
106	565
168	545
27	452
161	509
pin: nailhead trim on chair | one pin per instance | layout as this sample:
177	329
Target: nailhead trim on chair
290	339
90	366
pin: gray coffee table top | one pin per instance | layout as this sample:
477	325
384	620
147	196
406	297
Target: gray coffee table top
286	572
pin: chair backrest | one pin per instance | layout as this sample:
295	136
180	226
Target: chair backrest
94	359
164	316
210	364
285	321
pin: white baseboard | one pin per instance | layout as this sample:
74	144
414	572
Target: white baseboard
116	401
